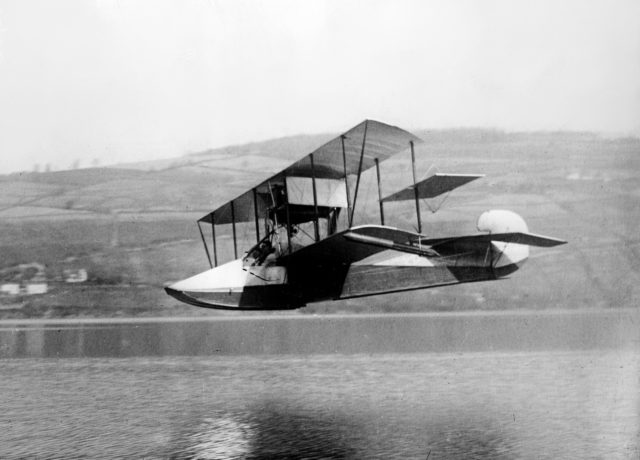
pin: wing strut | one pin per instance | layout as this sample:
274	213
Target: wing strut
315	200
233	226
255	214
355	194
213	237
346	180
379	192
206	249
286	207
415	187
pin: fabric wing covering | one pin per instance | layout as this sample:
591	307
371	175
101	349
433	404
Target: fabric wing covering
330	161
329	192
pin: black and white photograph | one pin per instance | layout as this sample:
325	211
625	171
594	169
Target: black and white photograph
319	229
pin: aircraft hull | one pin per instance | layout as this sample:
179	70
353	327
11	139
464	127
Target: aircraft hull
363	279
325	272
249	298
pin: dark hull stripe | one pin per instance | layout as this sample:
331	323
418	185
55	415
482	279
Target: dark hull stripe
360	281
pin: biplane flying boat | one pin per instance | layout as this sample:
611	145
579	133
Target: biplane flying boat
307	248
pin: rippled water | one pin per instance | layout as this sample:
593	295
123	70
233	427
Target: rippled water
577	402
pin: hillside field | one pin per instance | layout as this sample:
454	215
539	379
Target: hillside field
132	227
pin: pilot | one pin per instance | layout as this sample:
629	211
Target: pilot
262	251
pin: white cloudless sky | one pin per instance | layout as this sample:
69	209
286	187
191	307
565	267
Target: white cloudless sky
134	80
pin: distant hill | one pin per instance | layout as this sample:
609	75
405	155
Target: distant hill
132	226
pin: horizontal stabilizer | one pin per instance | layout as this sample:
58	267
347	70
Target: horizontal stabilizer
530	239
433	186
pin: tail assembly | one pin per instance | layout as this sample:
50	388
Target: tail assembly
504	253
505	243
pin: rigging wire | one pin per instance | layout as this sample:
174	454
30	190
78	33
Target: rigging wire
436	208
300	229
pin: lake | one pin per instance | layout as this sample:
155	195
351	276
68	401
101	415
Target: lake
549	384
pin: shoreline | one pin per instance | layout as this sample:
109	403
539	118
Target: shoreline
327	316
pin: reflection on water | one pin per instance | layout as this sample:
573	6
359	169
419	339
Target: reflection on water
570	404
572	398
276	430
216	436
271	429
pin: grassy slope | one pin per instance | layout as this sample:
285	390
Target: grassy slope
133	227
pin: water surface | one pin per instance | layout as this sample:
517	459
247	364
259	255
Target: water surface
487	386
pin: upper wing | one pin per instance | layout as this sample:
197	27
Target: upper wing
377	140
369	141
432	186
